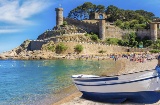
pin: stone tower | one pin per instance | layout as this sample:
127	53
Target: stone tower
153	30
96	15
59	16
102	29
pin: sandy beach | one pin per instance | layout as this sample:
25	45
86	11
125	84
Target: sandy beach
128	67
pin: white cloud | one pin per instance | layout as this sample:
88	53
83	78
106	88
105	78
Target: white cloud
10	29
4	31
19	12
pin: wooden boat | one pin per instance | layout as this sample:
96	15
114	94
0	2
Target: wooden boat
125	86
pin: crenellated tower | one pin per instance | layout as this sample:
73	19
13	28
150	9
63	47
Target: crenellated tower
153	30
102	29
59	16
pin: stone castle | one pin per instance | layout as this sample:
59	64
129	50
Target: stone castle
96	24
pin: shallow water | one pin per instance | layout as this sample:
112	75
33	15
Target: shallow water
39	82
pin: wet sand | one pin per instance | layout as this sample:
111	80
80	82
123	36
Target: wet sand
126	67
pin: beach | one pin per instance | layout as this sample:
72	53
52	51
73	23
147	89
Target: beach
128	67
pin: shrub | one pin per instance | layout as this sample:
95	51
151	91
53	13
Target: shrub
148	43
61	48
102	51
65	23
51	48
94	37
155	51
78	48
113	41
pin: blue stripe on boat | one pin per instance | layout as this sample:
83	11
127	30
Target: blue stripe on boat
95	80
118	83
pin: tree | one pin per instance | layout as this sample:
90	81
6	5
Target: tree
146	14
78	48
113	13
100	9
147	43
133	23
118	23
83	11
126	25
60	48
140	26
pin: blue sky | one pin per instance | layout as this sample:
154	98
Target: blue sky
27	19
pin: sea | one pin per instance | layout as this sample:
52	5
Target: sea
43	82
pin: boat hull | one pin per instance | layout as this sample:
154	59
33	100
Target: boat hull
145	84
131	86
147	97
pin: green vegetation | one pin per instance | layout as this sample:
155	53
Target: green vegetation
60	48
129	19
78	48
132	40
93	36
83	11
113	41
65	23
129	40
155	51
51	48
102	51
125	19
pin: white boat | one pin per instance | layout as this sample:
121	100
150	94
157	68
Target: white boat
125	86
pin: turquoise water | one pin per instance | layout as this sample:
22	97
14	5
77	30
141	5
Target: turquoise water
35	82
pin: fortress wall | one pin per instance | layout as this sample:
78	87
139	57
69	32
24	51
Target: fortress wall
139	49
74	38
115	32
48	34
143	32
87	25
111	31
91	21
35	45
92	48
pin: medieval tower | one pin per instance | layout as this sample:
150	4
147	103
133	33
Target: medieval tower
102	29
153	30
59	16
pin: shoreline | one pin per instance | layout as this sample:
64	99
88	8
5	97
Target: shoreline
128	67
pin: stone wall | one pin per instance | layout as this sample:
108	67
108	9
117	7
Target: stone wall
74	38
111	31
143	32
116	32
139	49
87	25
93	48
35	45
90	47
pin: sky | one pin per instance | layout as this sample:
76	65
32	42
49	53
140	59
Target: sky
27	19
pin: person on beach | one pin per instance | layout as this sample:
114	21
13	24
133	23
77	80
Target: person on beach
158	65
